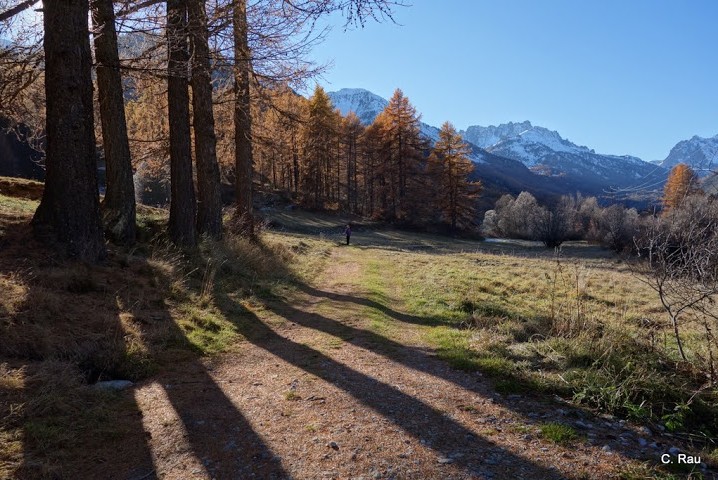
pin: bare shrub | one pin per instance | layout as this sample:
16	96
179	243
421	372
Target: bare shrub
681	252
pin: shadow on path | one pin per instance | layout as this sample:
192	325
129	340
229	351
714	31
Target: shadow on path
220	436
440	433
365	302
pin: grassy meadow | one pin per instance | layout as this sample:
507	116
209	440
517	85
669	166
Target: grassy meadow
577	323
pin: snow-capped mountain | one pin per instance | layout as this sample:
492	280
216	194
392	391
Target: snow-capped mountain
701	154
545	152
367	105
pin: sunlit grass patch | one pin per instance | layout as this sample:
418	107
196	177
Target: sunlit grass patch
17	205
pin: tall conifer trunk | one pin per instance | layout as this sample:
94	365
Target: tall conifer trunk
69	211
183	206
118	208
242	118
209	211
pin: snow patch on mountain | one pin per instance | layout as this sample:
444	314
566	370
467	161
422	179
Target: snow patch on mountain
701	154
485	137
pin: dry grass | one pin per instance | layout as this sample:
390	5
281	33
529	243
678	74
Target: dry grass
66	325
581	325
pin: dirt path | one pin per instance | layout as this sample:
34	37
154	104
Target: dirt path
315	393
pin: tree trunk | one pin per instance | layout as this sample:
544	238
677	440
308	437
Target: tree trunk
183	207
69	211
242	119
209	211
118	208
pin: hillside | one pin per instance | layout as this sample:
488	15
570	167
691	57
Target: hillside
401	356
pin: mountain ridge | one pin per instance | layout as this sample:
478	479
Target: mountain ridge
699	153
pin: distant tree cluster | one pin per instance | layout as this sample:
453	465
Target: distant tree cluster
578	217
567	218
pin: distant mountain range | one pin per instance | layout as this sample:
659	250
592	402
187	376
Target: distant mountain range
521	156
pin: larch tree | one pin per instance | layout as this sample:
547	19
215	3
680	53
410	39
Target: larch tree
682	181
183	206
371	146
242	119
209	195
351	132
449	167
118	207
69	211
319	136
403	155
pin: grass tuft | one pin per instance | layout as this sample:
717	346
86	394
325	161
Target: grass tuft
558	433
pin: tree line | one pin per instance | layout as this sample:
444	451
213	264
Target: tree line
387	170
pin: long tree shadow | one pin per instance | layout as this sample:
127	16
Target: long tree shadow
366	302
67	324
59	417
417	359
412	415
219	435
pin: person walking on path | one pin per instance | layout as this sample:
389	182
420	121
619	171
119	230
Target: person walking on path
348	233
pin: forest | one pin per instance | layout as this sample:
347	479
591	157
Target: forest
224	75
177	299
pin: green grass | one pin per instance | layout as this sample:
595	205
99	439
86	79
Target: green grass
511	312
533	324
558	433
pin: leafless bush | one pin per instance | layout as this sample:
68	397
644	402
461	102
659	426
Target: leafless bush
681	252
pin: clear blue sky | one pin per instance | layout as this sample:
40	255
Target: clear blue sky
622	77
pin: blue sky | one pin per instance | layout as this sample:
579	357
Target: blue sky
622	77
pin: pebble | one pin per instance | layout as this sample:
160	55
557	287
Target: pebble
444	460
674	451
606	448
642	442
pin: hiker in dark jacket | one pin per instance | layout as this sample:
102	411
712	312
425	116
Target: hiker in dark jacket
348	233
